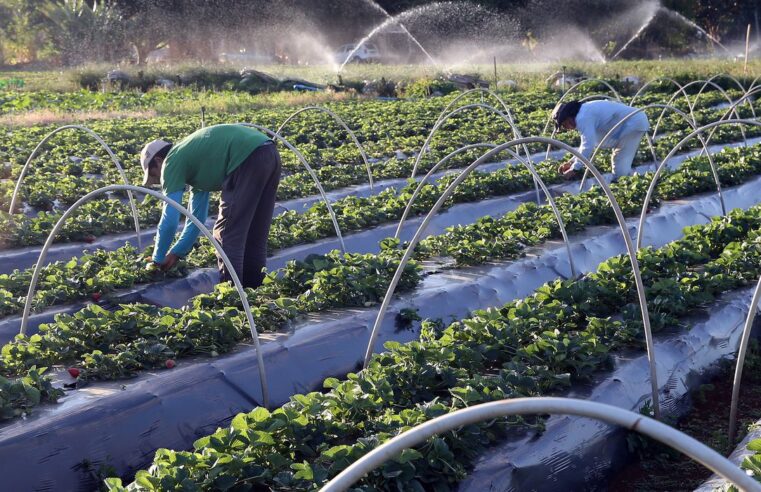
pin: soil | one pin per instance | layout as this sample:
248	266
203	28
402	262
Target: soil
663	469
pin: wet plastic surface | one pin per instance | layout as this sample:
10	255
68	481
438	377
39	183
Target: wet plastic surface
576	453
27	257
121	426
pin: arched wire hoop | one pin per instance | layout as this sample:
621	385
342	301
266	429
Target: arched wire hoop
741	353
108	150
571	89
647	84
188	216
725	76
430	173
692	125
442	119
733	110
619	218
343	124
311	172
483	91
537	178
692	104
674	150
543	405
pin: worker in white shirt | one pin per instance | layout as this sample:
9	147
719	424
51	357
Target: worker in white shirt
593	120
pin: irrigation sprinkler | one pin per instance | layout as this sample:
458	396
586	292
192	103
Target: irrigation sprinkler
442	119
543	405
311	172
188	216
681	113
534	174
674	150
742	352
619	218
343	124
110	153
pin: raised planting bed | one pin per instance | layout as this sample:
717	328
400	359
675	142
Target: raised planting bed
106	266
329	345
564	335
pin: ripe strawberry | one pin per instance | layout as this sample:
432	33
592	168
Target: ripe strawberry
170	363
89	239
74	372
96	296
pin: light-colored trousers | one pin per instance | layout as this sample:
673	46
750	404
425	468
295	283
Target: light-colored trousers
624	152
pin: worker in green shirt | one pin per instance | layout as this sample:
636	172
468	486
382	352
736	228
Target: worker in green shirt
244	165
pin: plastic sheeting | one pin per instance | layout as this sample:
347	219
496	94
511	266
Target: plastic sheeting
575	453
738	455
121	424
27	257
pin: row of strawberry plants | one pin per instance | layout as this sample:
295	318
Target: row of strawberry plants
564	333
111	345
103	216
418	116
489	238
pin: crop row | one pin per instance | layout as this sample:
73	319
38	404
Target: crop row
489	238
104	216
117	344
562	334
384	128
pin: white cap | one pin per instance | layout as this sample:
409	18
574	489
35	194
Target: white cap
146	156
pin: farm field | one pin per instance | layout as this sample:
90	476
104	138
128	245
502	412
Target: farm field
471	282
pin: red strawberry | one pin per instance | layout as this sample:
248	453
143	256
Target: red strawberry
169	363
74	372
96	296
89	239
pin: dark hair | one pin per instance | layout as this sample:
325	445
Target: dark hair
565	111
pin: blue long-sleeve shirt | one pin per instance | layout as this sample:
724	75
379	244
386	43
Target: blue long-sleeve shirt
170	218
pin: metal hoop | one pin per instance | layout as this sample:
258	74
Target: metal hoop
343	124
311	172
546	405
423	181
742	352
651	188
188	216
108	150
546	191
662	79
440	121
621	224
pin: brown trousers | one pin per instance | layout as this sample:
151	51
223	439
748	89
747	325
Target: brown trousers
245	214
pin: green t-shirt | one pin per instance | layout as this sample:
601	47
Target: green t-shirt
204	158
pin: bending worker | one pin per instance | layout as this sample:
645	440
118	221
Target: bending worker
240	162
593	120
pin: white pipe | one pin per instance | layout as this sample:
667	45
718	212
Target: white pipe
533	406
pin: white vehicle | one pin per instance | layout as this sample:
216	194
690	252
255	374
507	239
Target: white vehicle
366	53
245	57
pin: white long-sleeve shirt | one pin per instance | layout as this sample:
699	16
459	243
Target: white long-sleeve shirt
596	118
